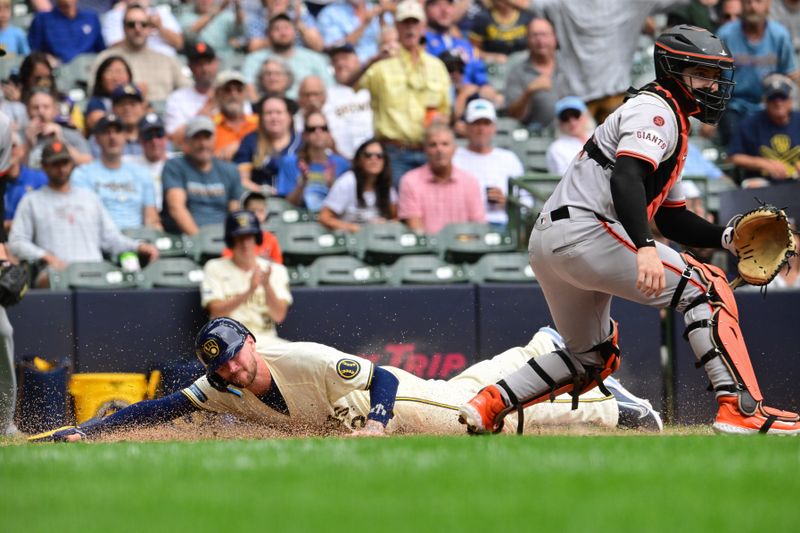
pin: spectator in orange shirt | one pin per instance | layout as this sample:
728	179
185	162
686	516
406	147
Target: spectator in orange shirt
269	248
232	121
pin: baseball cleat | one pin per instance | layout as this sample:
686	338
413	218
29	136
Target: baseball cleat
634	412
732	421
481	412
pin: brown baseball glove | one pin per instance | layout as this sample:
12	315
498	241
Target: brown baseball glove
764	243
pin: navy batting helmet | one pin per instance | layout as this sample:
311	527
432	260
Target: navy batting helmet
219	341
686	46
242	223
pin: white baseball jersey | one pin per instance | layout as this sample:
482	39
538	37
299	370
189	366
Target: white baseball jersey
643	127
321	384
222	279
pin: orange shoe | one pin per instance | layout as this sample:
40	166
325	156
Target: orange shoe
765	420
481	413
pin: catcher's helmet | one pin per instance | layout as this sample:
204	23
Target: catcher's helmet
219	341
686	46
242	223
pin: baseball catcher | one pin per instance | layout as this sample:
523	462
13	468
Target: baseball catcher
593	241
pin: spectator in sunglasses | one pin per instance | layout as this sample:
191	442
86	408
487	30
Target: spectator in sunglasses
364	195
164	30
573	125
305	178
66	32
153	71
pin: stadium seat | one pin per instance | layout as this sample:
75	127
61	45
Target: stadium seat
282	211
298	275
383	243
177	272
502	268
75	74
425	270
303	242
468	241
208	243
98	275
343	270
168	244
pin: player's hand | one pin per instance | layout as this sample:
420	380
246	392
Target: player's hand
542	83
267	272
372	428
651	279
775	169
62	434
257	279
149	250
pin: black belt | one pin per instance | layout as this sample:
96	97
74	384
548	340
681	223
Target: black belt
563	212
594	153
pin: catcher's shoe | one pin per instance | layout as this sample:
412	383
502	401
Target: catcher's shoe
480	414
765	420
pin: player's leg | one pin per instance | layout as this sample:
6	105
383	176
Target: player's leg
702	294
8	382
560	253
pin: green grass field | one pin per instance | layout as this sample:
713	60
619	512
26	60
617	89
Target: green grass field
675	483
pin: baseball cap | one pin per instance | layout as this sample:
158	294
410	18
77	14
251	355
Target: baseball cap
106	122
409	9
55	151
200	124
151	122
128	90
570	102
227	76
480	109
777	85
2	50
200	50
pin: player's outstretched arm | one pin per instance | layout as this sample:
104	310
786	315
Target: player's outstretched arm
687	228
142	414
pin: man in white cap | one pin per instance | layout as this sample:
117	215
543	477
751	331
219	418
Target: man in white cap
492	166
573	124
199	189
409	91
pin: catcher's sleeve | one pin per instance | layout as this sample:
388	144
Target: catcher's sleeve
685	227
630	200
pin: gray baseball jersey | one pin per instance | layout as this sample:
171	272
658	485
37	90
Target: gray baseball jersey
643	127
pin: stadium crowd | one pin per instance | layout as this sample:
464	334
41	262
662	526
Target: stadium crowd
145	113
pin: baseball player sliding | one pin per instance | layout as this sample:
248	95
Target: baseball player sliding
592	242
312	384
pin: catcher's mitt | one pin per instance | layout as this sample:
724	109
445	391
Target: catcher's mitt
14	282
764	243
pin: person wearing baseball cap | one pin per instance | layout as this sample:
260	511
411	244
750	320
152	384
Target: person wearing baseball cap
129	106
409	92
246	286
574	124
215	184
766	145
492	166
234	119
61	223
187	102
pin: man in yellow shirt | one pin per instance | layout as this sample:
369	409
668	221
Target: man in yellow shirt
409	89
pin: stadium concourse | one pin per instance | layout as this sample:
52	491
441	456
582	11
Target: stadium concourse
170	115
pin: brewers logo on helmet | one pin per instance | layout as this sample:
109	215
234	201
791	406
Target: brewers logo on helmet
219	341
242	223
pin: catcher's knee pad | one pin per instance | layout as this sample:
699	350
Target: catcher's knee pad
561	372
712	328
